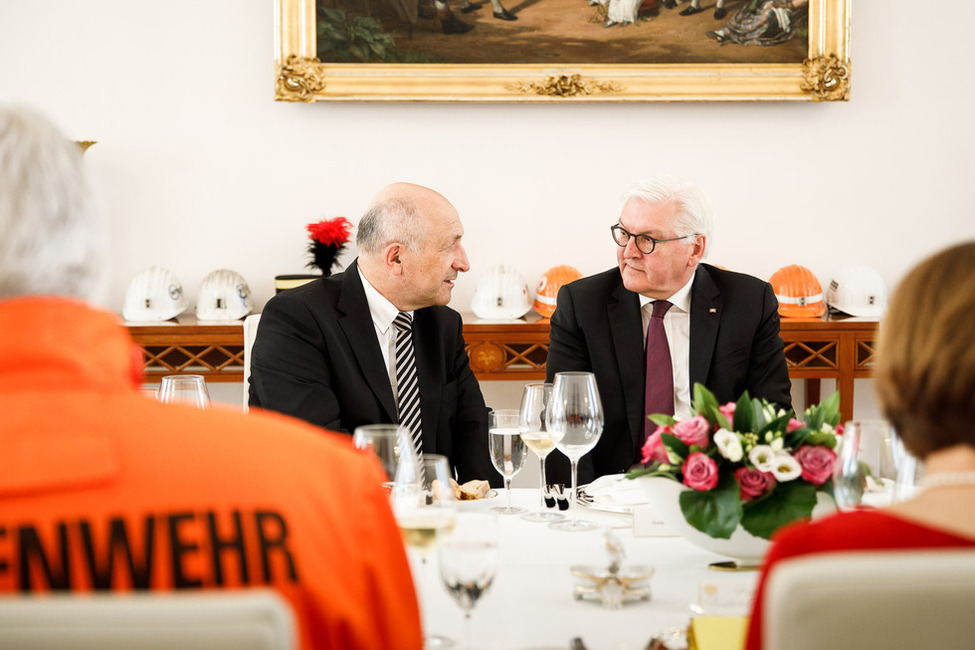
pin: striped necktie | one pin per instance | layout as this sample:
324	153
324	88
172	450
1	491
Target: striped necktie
408	389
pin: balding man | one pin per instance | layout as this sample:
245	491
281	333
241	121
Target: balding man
326	352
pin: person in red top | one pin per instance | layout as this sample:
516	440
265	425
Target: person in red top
925	374
104	489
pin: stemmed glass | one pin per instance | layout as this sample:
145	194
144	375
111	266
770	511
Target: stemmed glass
575	418
507	451
388	442
469	561
424	505
537	437
867	450
184	389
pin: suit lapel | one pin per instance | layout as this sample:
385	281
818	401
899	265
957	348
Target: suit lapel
429	372
626	328
706	306
356	322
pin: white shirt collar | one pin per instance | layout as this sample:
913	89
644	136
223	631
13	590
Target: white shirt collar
680	300
383	312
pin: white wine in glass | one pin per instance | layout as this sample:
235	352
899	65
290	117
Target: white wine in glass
575	415
537	437
469	561
425	509
507	451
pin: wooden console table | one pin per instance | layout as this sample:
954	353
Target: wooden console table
815	349
189	347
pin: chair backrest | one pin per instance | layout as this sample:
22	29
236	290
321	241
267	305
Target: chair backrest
872	599
250	333
218	620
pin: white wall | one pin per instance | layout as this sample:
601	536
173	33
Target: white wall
200	169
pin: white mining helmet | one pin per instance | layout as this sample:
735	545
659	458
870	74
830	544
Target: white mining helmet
154	295
224	295
501	292
859	291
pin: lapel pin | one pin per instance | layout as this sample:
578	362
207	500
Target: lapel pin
712	311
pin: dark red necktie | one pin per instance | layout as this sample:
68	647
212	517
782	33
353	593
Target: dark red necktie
660	371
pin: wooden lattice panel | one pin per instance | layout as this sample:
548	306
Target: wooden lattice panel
819	355
197	359
494	356
865	353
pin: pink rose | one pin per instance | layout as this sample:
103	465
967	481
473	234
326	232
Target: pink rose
694	431
728	410
753	483
816	462
793	425
700	472
839	430
653	448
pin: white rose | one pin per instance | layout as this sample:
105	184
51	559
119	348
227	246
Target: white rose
761	456
785	468
729	445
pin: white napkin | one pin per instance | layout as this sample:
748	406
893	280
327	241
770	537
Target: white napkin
616	490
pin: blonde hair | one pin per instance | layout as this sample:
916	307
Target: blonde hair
925	368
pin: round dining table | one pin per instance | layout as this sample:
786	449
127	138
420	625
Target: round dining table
531	604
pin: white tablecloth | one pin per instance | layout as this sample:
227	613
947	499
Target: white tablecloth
531	604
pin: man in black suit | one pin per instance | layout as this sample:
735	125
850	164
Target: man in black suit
722	328
325	351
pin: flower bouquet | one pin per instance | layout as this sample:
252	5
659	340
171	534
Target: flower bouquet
746	463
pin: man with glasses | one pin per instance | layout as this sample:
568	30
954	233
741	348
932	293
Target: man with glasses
661	322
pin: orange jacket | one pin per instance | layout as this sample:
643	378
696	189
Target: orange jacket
104	489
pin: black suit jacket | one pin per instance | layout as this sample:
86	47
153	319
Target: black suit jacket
317	357
735	345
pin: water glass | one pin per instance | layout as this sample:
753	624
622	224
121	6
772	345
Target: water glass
534	432
469	561
388	442
507	451
867	450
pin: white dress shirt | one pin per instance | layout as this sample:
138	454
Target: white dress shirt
677	325
383	314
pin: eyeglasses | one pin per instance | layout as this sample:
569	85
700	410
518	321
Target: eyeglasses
644	243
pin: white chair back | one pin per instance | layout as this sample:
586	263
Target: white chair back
217	620
250	333
872	599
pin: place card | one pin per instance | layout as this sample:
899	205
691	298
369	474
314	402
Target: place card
646	524
726	595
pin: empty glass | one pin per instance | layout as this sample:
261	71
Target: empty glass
184	389
575	418
867	450
388	442
469	560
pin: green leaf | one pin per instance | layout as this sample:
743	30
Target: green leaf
662	420
716	512
787	502
675	446
744	416
704	400
820	438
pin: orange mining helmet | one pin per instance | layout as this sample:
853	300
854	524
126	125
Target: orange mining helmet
798	291
549	285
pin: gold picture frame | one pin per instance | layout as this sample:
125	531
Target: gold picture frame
300	76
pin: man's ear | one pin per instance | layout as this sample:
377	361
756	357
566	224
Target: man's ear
700	243
393	258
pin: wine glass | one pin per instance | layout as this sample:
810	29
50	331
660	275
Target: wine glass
469	561
537	437
388	442
425	508
575	418
910	472
507	451
184	389
867	450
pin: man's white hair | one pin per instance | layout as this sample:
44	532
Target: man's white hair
693	207
52	238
